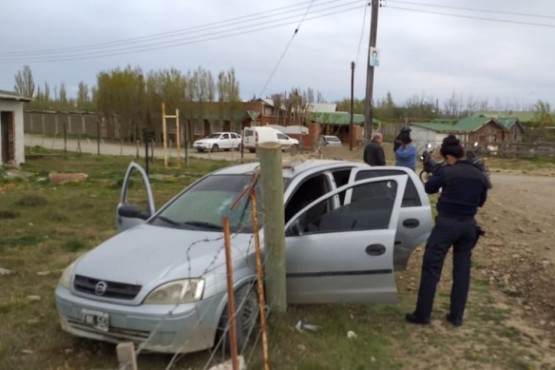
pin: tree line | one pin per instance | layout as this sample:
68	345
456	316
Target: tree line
135	97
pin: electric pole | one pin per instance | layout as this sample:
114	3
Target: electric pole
351	123
369	114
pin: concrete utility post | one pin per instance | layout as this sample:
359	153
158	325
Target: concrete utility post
369	114
271	177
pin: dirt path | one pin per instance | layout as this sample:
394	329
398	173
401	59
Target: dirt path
519	250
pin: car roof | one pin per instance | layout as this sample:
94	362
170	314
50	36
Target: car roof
290	169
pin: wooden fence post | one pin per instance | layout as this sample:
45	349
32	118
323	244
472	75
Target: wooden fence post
271	176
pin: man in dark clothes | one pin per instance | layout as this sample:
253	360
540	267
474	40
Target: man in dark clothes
463	189
373	152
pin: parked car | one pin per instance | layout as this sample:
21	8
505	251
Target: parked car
256	135
160	282
330	140
218	141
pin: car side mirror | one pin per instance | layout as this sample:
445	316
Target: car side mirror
132	211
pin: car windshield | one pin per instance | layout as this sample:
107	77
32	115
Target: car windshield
203	206
333	139
214	136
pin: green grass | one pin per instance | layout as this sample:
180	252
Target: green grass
45	226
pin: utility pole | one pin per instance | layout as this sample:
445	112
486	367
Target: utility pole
368	117
351	123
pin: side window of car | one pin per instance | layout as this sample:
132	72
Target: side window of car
308	191
282	136
410	197
225	136
370	209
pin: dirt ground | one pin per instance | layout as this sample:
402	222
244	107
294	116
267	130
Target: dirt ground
516	260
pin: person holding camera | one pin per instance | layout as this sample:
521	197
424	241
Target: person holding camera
463	190
405	155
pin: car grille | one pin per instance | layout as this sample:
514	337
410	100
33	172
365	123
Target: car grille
116	333
113	289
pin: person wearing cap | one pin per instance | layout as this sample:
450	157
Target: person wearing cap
373	152
463	190
405	155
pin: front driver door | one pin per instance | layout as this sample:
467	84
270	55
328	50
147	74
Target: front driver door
129	214
345	253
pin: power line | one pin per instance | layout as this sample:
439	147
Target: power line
203	33
361	32
285	51
475	9
473	17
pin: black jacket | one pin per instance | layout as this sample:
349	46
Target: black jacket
463	187
373	154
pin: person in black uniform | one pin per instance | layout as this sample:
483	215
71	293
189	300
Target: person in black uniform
373	152
463	189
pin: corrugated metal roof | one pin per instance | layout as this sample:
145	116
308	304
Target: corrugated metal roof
507	122
522	116
9	95
337	118
322	107
465	125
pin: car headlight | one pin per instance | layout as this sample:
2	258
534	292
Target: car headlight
175	292
65	279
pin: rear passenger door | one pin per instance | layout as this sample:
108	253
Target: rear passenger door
339	253
415	216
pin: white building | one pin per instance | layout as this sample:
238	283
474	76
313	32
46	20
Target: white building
12	145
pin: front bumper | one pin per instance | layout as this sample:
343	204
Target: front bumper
159	328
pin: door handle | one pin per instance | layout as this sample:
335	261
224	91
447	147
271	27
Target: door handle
411	223
375	249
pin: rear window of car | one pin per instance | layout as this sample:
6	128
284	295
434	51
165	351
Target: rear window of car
249	133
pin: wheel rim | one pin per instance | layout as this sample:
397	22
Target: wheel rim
249	313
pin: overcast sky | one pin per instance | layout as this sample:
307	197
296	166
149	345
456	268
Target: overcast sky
424	49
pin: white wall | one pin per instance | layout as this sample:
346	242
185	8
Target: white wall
17	109
421	137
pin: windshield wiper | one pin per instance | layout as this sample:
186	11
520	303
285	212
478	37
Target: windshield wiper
202	224
168	220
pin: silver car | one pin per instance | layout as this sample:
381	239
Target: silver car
160	282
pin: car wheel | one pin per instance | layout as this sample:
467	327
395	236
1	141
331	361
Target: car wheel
252	150
215	148
246	306
200	150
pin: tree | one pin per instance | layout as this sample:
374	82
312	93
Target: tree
82	93
24	82
62	97
542	114
228	87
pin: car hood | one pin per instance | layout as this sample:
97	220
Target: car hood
148	255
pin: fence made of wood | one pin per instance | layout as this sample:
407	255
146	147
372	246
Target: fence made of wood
527	150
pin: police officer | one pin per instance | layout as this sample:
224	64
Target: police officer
463	189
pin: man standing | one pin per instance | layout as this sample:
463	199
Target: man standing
373	152
405	155
463	189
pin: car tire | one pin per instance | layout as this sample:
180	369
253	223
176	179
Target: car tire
246	306
252	150
200	150
215	148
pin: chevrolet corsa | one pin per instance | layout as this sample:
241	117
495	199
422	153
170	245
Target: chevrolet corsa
161	281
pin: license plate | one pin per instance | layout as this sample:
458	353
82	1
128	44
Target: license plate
96	319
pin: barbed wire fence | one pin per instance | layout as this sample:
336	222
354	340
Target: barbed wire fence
257	323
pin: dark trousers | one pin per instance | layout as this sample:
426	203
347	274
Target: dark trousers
448	231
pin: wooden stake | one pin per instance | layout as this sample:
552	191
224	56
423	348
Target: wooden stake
231	297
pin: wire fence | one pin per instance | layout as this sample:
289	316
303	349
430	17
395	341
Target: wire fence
243	254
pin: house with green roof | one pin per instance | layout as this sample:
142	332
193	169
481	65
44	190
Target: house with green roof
483	130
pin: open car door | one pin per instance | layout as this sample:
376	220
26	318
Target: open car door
131	214
344	252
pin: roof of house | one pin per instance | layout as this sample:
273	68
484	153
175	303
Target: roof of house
322	107
338	118
465	125
9	95
522	116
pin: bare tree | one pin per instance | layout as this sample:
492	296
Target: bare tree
82	93
62	97
24	82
